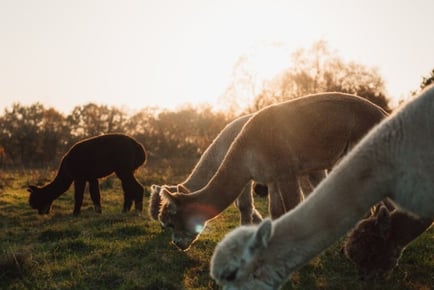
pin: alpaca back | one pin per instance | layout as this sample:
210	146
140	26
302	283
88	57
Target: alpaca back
308	134
102	155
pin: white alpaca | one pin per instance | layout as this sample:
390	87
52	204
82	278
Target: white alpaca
275	147
204	170
395	160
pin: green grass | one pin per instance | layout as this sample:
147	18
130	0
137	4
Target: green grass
126	251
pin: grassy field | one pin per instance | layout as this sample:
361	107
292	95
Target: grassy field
126	251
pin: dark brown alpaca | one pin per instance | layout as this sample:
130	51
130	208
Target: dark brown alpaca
376	244
88	160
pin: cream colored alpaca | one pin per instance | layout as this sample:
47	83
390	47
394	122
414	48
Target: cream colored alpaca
395	160
205	168
276	146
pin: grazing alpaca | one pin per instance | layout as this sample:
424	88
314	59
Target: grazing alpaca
206	168
275	147
376	244
89	160
208	165
394	160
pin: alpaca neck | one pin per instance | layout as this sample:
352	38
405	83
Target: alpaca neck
332	209
208	164
202	172
59	185
222	190
213	156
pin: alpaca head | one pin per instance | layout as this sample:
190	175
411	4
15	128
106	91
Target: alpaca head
238	260
371	246
155	197
185	220
39	199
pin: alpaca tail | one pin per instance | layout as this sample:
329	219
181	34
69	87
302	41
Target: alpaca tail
139	155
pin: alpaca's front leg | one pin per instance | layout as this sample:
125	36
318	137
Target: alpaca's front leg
275	204
289	192
78	195
244	202
283	196
95	195
312	179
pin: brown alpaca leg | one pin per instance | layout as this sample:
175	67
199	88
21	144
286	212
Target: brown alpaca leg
275	205
256	216
133	191
78	195
312	179
290	193
244	203
283	196
95	195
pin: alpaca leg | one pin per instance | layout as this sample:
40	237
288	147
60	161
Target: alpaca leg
95	195
275	204
133	190
283	196
309	181
78	195
244	202
290	193
256	216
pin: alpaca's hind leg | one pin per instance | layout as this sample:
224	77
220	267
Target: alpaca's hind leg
95	195
133	190
78	195
244	202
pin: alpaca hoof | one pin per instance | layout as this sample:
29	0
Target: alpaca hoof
98	209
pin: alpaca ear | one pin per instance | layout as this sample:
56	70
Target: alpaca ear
155	188
31	189
171	200
383	221
262	236
166	194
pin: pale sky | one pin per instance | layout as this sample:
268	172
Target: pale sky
167	53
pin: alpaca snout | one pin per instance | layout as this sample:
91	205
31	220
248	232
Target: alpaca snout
183	241
44	209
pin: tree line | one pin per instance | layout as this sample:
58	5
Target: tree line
34	135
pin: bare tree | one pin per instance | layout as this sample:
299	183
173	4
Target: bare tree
313	70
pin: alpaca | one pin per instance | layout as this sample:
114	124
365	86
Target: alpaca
88	160
394	160
376	244
208	165
205	169
276	145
